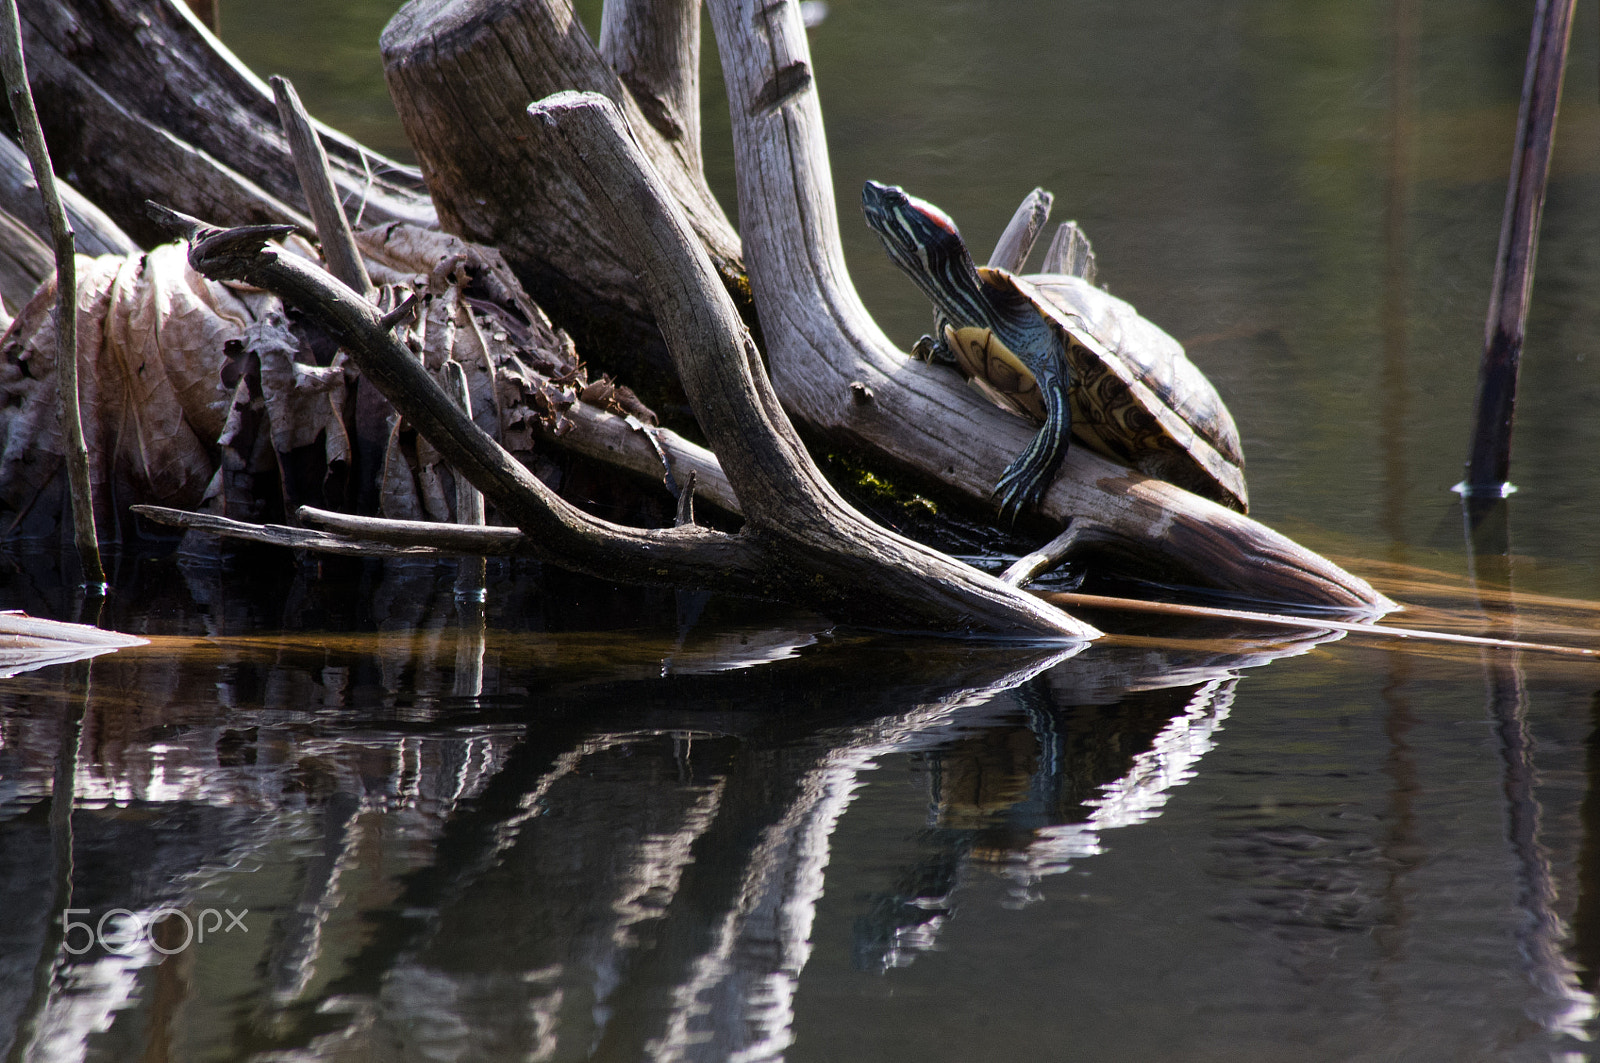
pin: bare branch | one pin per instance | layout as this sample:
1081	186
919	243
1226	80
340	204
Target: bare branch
484	540
285	536
316	181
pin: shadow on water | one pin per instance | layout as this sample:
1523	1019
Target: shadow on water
441	840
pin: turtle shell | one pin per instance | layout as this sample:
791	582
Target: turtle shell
1135	396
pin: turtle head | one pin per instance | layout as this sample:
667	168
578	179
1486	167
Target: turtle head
923	241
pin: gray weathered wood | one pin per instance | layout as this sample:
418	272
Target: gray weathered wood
559	529
287	537
786	500
18	628
822	345
853	564
1011	251
139	101
92	228
316	184
483	540
609	438
800	542
461	73
1069	253
654	46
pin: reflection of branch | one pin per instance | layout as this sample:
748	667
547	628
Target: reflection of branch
63	790
293	961
735	998
1142	791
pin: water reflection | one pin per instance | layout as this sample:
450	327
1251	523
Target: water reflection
1564	1004
585	860
1033	795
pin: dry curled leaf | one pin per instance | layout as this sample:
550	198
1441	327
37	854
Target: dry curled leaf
196	392
151	333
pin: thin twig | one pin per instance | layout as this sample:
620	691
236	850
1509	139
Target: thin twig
471	574
15	72
487	540
316	181
1030	566
1067	599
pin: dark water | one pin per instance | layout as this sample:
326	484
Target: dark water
621	825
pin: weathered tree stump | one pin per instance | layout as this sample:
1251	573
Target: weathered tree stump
461	74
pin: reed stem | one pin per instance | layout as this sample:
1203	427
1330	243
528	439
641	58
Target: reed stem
1489	463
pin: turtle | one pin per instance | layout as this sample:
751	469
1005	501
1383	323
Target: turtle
1057	349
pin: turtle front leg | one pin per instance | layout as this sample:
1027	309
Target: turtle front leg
1027	478
934	348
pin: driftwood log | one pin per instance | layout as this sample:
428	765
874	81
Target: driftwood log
25	257
800	541
139	101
